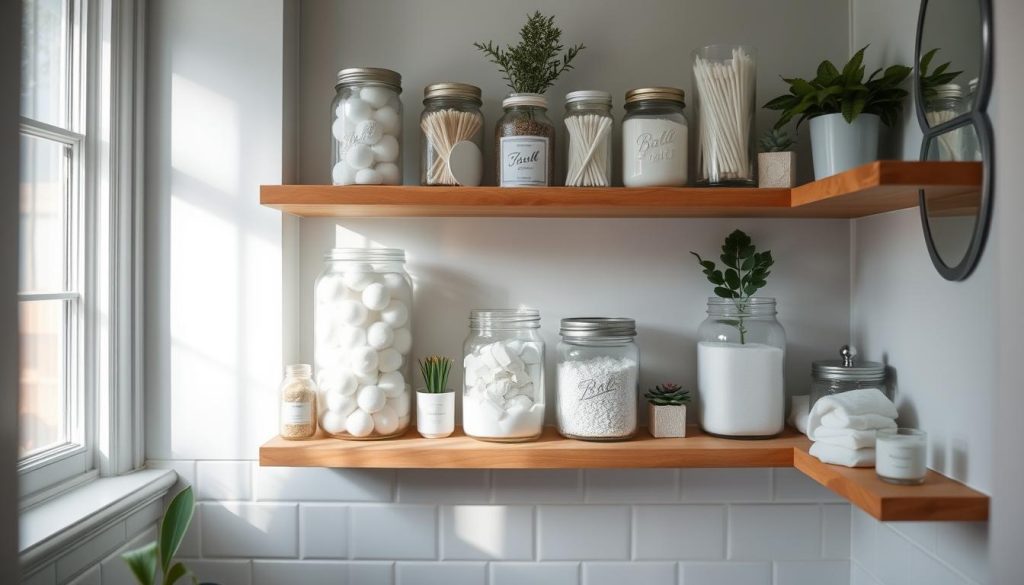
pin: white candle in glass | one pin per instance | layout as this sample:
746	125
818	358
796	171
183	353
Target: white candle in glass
901	455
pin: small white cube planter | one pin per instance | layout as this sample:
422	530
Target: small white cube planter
667	421
435	414
776	170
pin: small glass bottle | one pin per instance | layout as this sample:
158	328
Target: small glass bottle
297	410
525	142
724	82
366	127
453	135
654	138
829	377
588	124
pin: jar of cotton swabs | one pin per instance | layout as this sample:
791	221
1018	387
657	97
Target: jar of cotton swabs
453	135
724	79
588	124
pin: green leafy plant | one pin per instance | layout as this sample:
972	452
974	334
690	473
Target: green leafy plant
534	64
776	140
933	79
153	564
844	92
667	394
435	371
746	272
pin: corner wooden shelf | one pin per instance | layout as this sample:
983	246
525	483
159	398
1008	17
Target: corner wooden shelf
940	498
874	188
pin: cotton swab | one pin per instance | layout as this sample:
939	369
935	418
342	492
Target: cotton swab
726	93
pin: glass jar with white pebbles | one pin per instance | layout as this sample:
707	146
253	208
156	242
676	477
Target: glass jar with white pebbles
503	386
598	371
361	328
366	127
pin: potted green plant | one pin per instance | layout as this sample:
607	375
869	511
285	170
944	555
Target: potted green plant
153	564
845	111
776	163
666	409
435	402
535	63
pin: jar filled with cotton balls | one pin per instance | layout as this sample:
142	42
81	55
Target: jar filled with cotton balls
366	127
503	385
361	328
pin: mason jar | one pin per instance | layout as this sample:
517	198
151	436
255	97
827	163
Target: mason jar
503	385
588	125
830	377
654	138
362	321
525	142
945	103
453	135
366	127
598	377
740	352
724	82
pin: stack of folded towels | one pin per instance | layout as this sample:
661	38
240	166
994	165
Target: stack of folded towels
843	426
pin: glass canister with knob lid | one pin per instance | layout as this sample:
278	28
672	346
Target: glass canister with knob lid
366	127
830	377
361	326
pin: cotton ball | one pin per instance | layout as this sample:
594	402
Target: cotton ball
349	337
380	335
386	150
389	173
368	177
359	424
358	277
333	422
364	360
394	282
352	313
369	132
367	379
391	383
387	117
338	129
402	341
359	156
337	380
389	360
376	297
370	399
402	404
340	403
357	110
385	420
342	174
375	96
395	313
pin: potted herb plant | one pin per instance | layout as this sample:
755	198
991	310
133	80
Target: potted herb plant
845	111
776	163
666	409
435	402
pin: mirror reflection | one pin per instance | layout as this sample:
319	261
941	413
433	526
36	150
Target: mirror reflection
953	210
951	52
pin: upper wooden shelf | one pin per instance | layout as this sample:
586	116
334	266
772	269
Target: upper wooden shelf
867	190
940	498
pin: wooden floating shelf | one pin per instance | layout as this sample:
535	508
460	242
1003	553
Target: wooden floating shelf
940	498
873	188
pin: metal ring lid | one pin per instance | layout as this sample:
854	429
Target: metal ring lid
949	90
589	95
354	75
452	89
845	369
365	255
535	100
597	327
672	94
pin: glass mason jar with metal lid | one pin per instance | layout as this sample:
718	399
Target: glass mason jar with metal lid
525	142
588	124
830	377
598	373
453	135
654	138
366	127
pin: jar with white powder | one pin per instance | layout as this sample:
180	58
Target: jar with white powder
503	385
598	370
654	135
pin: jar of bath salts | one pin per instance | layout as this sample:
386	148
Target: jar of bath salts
297	412
588	124
598	371
366	127
829	377
525	142
453	135
503	385
361	327
654	135
740	351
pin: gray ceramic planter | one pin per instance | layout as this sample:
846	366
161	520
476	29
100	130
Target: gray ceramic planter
838	146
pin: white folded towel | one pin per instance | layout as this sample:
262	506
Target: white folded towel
860	422
842	456
798	410
848	438
847	404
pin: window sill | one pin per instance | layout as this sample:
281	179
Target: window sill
53	528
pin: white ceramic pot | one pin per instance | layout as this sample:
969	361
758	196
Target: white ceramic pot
838	146
668	420
435	414
776	169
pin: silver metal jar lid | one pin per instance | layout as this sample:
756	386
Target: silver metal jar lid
672	94
597	327
589	95
354	75
535	100
949	90
452	89
844	369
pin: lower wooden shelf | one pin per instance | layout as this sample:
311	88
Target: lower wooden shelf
940	498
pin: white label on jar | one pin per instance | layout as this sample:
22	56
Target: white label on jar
653	152
524	161
296	413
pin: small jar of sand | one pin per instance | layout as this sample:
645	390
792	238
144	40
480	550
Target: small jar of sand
453	135
297	418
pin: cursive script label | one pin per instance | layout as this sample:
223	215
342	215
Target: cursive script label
524	161
653	148
590	389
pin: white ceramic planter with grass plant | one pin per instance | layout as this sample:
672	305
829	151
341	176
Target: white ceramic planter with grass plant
666	409
435	402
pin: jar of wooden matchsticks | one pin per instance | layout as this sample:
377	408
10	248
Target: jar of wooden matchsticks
724	93
525	142
588	122
654	138
453	135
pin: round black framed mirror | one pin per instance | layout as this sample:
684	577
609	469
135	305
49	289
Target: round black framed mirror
952	83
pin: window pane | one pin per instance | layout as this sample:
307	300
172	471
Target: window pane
44	61
43	196
43	407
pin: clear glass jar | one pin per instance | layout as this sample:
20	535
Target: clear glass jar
724	82
503	385
598	378
361	326
654	138
830	377
945	103
588	124
525	142
453	135
366	128
297	409
740	353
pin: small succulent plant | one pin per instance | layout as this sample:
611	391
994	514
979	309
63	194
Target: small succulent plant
435	371
667	394
776	140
